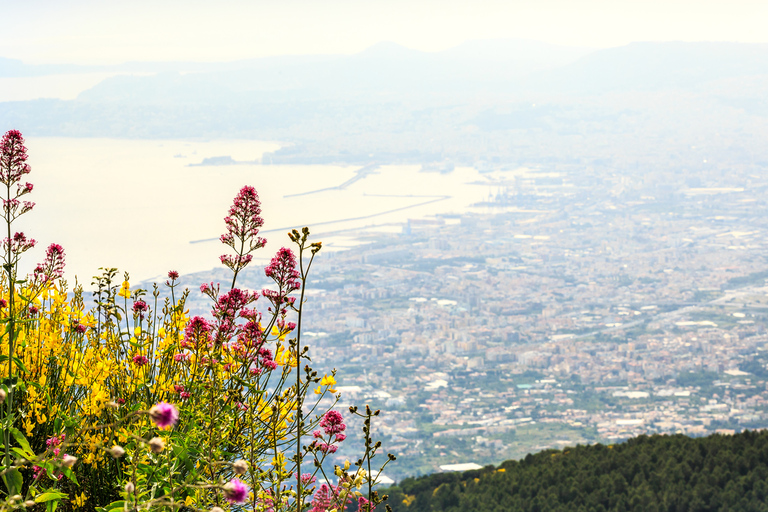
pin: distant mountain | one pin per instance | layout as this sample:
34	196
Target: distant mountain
644	474
403	105
652	66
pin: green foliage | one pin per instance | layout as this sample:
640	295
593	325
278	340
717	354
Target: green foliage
647	473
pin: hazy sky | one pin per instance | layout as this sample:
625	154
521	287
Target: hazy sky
99	31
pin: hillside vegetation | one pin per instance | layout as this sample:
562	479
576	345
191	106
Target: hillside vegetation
644	474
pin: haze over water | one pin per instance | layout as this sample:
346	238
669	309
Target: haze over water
149	205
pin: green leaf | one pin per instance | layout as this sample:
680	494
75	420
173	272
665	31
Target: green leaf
50	506
20	365
115	505
48	496
13	481
21	453
67	472
19	437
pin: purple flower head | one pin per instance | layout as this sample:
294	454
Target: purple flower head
164	414
13	157
173	274
140	361
235	491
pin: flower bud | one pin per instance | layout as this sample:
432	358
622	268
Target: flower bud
240	467
68	461
217	509
2	396
129	488
156	444
117	451
29	504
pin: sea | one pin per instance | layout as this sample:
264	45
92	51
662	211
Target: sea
150	206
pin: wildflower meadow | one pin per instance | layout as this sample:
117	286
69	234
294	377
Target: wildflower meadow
130	404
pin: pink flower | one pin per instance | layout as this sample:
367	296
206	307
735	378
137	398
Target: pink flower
333	423
282	270
53	266
173	275
235	491
243	223
307	478
326	448
164	414
321	501
363	505
198	331
13	157
140	308
140	361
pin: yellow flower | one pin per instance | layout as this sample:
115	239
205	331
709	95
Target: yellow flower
80	500
279	460
125	290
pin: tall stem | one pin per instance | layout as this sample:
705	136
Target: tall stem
299	395
11	339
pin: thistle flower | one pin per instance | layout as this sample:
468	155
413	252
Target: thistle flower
164	414
235	491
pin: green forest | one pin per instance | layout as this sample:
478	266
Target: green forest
644	474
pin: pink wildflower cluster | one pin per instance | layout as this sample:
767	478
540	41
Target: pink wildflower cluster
334	427
18	244
243	223
333	423
282	270
13	158
140	308
54	445
325	496
196	333
140	360
52	267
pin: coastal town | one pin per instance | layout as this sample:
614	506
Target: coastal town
579	309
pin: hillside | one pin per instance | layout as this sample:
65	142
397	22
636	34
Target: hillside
645	474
